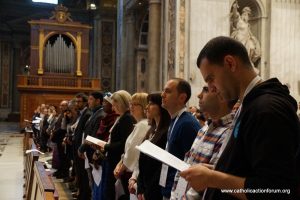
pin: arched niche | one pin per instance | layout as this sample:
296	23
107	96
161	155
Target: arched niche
257	24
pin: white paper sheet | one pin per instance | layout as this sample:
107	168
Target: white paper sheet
163	175
31	150
86	162
133	197
96	141
37	121
162	155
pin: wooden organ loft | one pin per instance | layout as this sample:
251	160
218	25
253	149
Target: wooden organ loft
58	68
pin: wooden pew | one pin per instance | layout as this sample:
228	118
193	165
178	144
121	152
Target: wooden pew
27	135
29	160
42	185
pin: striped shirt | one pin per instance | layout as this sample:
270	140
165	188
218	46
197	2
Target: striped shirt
205	148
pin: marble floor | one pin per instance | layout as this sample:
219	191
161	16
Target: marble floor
11	162
11	165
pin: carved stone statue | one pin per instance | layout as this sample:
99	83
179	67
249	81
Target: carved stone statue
241	31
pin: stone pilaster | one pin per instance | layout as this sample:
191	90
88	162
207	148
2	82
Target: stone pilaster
154	47
130	65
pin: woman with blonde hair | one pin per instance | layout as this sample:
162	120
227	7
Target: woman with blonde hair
131	155
114	148
147	180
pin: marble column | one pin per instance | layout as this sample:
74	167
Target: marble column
95	48
120	46
130	73
154	47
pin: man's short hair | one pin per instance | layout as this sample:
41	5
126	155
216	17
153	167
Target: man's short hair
82	96
97	95
183	87
217	48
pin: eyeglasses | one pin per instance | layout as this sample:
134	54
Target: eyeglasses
205	89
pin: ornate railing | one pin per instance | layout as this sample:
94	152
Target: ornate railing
51	82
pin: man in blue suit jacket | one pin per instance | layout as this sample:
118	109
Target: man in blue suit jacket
183	128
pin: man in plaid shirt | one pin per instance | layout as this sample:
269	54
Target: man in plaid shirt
207	144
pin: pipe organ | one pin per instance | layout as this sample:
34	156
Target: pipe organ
59	56
59	60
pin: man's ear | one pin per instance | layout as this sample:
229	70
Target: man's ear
182	97
230	62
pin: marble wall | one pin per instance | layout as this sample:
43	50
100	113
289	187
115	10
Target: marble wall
285	43
279	37
205	19
187	25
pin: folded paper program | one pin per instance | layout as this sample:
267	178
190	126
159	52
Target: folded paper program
32	150
160	154
96	141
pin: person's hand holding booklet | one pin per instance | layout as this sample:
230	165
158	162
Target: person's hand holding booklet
96	141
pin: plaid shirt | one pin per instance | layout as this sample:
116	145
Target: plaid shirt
206	147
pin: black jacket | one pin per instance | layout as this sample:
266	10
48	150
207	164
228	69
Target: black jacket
149	173
90	128
118	137
77	137
58	133
264	143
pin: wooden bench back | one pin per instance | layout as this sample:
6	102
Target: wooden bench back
42	185
26	142
29	160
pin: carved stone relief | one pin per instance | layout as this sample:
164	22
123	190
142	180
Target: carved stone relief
181	38
107	55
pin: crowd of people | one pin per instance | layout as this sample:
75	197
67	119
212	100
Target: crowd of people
242	142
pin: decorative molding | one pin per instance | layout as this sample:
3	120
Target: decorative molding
172	38
41	49
50	23
61	14
182	13
78	50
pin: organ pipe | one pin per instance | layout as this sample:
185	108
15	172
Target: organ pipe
60	58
